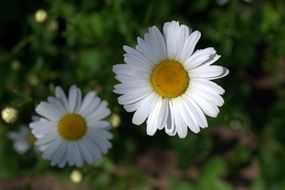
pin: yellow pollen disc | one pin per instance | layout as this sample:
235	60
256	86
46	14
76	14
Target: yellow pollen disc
72	126
169	79
31	139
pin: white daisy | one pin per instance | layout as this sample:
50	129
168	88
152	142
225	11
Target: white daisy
71	130
22	139
167	83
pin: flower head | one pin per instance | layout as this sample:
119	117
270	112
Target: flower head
22	139
10	114
41	15
169	84
71	130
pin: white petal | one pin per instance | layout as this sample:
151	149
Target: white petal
154	120
145	48
93	149
86	154
135	57
189	46
74	99
87	101
209	72
188	116
77	156
51	148
100	143
103	133
158	42
98	124
163	114
194	111
208	107
201	57
191	117
153	45
209	85
41	128
14	135
70	154
92	134
91	107
59	154
47	138
145	108
101	112
175	38
171	31
123	88
209	95
61	96
131	70
63	160
181	39
170	128
137	83
21	146
100	139
42	124
134	96
54	102
134	106
48	111
179	122
133	79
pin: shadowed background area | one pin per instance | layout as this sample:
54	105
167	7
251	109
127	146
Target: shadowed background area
48	43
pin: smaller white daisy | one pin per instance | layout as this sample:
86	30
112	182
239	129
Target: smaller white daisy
71	130
23	139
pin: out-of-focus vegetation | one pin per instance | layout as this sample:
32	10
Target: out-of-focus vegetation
49	43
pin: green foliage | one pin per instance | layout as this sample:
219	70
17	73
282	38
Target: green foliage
211	173
80	41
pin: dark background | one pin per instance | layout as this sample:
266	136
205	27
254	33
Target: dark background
79	41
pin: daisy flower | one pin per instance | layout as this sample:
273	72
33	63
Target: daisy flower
168	83
71	130
22	139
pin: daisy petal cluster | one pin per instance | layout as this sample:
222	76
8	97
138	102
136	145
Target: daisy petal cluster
168	84
22	139
72	130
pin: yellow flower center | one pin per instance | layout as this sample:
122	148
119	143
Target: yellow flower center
31	139
169	79
72	126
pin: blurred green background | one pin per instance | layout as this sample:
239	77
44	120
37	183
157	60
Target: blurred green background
48	43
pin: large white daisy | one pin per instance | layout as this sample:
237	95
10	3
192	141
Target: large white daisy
167	83
71	130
